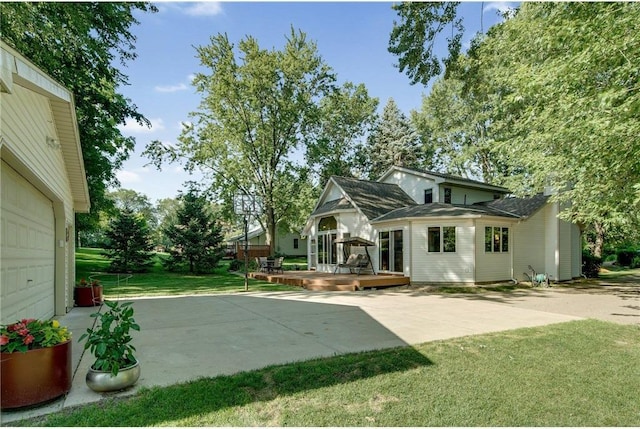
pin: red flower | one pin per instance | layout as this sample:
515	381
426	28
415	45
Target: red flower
28	339
23	332
4	340
27	321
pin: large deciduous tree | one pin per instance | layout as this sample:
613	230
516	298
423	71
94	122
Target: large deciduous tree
257	106
347	113
569	82
413	38
393	141
79	44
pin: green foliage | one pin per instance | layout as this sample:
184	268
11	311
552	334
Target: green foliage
635	263
392	142
128	243
195	237
414	37
30	334
347	114
257	107
625	257
110	340
590	265
80	45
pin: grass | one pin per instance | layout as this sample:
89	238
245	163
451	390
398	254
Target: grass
158	282
582	373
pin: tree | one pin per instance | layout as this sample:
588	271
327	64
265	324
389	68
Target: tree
256	109
393	141
137	202
166	211
346	115
128	243
568	82
78	44
413	38
195	237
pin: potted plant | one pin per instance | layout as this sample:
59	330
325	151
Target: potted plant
88	294
115	367
35	362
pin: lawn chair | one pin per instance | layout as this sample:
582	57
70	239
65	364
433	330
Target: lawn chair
262	264
277	265
537	279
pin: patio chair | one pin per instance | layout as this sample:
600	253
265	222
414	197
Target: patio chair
262	263
277	265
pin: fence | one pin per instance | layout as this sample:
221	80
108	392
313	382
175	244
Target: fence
253	250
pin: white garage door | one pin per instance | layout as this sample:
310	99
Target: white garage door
28	250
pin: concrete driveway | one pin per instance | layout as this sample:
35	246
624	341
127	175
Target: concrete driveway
184	338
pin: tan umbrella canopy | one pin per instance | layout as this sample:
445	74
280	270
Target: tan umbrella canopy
355	241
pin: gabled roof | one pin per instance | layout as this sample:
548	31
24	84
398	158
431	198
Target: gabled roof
333	205
447	178
514	208
373	198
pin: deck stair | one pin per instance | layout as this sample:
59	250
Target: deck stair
312	280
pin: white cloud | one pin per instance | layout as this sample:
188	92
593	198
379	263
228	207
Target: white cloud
172	88
135	128
500	6
204	9
127	177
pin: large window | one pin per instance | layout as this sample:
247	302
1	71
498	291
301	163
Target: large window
496	239
441	239
327	247
390	247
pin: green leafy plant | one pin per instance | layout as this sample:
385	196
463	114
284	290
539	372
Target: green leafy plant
29	334
110	340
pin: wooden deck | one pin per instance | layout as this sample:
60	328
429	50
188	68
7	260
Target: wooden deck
312	280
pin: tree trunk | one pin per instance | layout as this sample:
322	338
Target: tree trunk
270	230
599	243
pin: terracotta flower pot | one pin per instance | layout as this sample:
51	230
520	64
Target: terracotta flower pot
35	376
88	296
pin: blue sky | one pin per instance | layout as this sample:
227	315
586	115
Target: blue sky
352	37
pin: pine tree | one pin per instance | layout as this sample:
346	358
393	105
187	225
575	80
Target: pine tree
128	242
393	141
196	236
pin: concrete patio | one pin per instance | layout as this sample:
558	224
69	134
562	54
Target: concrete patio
183	338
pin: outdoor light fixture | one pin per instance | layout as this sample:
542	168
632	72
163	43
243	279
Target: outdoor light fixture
52	143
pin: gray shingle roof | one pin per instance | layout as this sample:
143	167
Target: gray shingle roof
508	207
521	207
442	210
374	198
329	206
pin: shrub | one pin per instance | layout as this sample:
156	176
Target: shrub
235	265
635	263
625	257
590	265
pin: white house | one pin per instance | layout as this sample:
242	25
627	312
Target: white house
286	243
434	228
43	186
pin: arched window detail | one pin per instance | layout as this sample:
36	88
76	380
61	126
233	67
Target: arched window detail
327	224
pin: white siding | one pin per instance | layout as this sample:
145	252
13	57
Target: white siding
528	238
565	256
443	267
413	185
26	122
333	193
490	266
552	237
462	195
285	241
576	251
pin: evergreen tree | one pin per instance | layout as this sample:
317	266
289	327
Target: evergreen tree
196	237
128	242
393	141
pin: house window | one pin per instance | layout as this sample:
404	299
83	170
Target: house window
327	223
295	243
428	196
391	246
447	195
496	239
441	239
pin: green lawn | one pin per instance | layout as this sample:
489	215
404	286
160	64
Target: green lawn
582	373
158	282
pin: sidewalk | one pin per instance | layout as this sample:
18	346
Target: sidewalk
183	338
